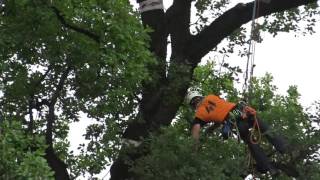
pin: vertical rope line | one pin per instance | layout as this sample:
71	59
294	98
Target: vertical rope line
250	61
251	71
253	50
250	54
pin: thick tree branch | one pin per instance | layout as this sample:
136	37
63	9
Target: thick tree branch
53	100
154	19
60	85
62	20
160	101
57	165
179	74
178	20
152	91
158	45
231	20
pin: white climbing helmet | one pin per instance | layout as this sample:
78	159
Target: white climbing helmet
192	94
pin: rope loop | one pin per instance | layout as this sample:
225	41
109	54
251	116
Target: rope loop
255	136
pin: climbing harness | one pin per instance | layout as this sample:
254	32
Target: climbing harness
235	115
242	112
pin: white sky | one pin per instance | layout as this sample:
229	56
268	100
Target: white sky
291	61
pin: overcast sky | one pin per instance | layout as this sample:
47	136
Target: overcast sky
292	61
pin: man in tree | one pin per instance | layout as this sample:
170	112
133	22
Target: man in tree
214	109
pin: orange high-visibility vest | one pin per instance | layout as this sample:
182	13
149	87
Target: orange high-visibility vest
213	109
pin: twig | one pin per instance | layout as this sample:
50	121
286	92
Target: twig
73	27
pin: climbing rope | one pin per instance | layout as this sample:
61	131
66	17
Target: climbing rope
250	54
255	136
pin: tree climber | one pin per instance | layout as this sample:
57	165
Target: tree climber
214	109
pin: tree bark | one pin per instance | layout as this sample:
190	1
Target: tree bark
56	164
162	98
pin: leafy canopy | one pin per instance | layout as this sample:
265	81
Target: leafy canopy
72	56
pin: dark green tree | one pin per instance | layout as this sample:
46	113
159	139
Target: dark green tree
60	58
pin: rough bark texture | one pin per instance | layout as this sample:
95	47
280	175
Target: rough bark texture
161	100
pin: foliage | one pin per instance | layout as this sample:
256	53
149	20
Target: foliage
73	58
207	10
21	154
173	154
217	79
287	116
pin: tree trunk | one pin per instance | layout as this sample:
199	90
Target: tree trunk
162	98
59	167
56	164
